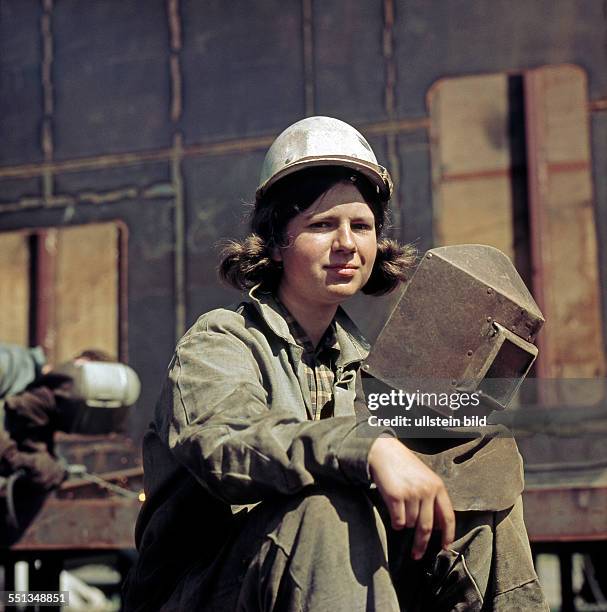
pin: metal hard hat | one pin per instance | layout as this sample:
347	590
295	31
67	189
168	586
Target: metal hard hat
322	141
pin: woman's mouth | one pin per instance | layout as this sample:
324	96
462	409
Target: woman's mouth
343	270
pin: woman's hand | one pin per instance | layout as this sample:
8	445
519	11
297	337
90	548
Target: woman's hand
414	495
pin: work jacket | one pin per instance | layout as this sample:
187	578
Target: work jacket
232	427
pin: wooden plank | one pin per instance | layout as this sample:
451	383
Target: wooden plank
572	278
471	162
14	288
564	245
475	212
45	251
87	290
470	124
473	201
566	114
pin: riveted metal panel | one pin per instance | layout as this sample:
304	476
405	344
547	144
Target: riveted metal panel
416	214
21	101
219	192
242	67
143	178
349	70
435	40
111	77
12	190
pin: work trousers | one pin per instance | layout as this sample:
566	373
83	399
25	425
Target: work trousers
333	551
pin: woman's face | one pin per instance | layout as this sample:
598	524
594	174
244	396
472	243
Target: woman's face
331	248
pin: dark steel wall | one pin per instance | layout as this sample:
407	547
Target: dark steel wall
158	113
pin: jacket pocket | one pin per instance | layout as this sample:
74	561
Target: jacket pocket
451	586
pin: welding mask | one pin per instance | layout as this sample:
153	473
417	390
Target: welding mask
465	323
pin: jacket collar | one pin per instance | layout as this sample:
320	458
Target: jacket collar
352	344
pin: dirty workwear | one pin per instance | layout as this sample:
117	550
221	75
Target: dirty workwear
234	427
334	550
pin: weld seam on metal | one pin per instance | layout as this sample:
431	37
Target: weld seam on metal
151	192
390	107
46	132
598	105
308	57
180	246
176	77
177	153
226	147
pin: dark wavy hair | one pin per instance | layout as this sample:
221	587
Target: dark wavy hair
248	262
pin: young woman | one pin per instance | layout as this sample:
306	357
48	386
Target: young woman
259	464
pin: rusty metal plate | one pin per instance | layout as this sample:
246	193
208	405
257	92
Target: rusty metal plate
565	514
82	524
98	453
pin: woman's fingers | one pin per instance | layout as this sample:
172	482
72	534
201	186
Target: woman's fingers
412	512
423	529
397	514
414	495
445	517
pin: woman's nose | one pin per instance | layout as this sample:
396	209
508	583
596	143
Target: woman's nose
344	239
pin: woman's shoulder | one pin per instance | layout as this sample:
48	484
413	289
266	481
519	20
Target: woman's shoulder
235	320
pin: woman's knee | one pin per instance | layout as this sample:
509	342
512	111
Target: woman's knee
335	511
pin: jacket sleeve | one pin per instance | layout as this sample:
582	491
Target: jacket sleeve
215	417
19	366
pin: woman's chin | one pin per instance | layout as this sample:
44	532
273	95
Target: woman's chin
344	289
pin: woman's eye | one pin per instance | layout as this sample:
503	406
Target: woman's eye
361	226
320	224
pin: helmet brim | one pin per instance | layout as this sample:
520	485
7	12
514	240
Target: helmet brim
376	174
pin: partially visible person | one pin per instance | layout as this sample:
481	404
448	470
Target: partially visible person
19	367
39	399
45	404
